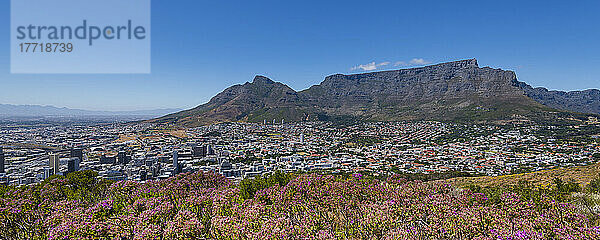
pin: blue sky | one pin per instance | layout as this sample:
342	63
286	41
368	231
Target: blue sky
200	48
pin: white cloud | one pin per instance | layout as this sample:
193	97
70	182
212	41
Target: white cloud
419	61
365	67
400	63
413	62
374	66
370	66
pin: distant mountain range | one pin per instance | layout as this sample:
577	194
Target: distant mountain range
458	90
8	110
587	101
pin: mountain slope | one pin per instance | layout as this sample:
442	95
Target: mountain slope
458	90
587	101
260	99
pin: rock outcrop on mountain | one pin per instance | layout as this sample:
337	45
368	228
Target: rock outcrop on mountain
458	90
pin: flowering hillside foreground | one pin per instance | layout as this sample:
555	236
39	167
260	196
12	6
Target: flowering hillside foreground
309	206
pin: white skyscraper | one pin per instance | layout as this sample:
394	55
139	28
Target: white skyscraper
175	162
54	161
47	172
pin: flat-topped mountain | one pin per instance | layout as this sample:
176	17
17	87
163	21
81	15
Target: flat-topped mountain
458	90
443	91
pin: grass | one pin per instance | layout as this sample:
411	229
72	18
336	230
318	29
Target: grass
582	175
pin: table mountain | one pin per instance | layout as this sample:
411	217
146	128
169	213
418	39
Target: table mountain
458	90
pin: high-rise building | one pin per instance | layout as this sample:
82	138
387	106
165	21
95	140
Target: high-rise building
210	150
143	174
77	153
2	161
75	158
175	162
73	164
199	151
122	158
54	162
47	172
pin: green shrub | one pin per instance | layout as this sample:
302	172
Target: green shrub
594	186
81	185
561	191
566	187
249	187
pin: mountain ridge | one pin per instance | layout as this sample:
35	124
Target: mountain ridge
13	110
459	90
584	101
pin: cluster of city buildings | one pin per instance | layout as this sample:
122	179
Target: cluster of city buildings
142	151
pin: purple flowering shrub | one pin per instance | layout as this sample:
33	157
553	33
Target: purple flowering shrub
308	206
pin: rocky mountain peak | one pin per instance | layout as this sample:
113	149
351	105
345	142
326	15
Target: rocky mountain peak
262	80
